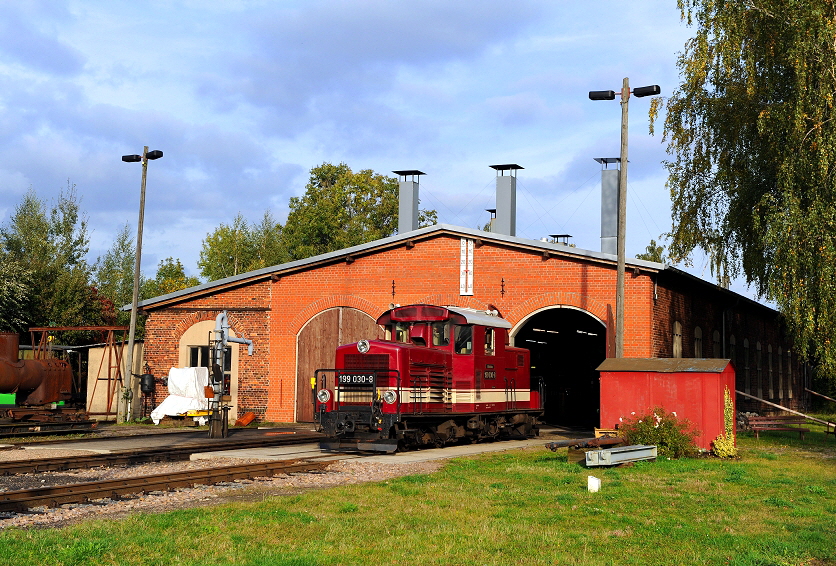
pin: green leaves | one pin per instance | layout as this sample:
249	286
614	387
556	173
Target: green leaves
752	136
241	247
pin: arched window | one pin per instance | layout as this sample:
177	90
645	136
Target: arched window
780	373
733	350
769	374
789	374
697	342
677	339
759	368
747	378
716	352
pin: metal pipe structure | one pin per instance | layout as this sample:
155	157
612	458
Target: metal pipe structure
217	416
36	382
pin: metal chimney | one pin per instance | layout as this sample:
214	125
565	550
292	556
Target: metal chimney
609	205
408	200
506	199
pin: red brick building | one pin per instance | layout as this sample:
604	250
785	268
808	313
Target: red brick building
560	301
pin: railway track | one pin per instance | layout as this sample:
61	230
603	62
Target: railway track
23	500
34	428
142	456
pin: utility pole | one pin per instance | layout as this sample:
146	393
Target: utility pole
124	401
622	224
622	200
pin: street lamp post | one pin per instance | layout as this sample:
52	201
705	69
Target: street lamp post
622	199
124	398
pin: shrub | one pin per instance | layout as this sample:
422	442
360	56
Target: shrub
672	436
724	444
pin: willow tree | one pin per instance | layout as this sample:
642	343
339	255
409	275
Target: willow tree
752	136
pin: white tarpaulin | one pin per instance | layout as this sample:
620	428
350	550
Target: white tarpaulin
185	388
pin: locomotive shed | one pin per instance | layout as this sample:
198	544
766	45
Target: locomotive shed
558	299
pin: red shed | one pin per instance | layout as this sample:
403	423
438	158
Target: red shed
690	387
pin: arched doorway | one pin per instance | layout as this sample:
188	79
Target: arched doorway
194	352
566	345
316	345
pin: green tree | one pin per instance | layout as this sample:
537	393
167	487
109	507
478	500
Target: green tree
170	277
15	282
241	247
52	244
340	209
753	176
653	252
114	274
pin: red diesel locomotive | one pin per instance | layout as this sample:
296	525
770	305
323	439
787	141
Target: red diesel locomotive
441	375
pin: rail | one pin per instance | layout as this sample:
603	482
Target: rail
22	500
159	454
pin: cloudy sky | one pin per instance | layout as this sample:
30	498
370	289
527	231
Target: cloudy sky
244	97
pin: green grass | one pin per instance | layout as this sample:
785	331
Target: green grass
774	505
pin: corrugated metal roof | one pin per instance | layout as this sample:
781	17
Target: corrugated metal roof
474	316
665	365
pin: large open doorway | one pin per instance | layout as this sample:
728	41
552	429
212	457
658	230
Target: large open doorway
566	344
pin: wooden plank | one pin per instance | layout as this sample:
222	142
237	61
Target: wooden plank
316	345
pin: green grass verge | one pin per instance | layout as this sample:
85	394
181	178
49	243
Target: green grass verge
774	505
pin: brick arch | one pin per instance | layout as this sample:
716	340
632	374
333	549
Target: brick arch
594	307
325	303
450	299
201	316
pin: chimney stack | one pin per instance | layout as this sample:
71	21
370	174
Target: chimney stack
506	199
408	200
609	205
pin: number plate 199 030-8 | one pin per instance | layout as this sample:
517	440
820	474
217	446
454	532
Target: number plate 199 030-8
357	379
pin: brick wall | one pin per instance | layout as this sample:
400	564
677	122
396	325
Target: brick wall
513	280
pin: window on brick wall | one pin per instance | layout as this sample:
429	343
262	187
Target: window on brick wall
780	373
716	350
747	378
733	349
769	375
759	367
677	339
697	342
199	357
789	373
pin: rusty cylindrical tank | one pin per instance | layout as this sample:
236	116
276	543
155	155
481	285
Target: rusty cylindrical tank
36	382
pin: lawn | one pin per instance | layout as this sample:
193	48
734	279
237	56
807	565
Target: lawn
776	504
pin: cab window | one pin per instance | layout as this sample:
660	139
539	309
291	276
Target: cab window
441	333
490	338
464	339
402	332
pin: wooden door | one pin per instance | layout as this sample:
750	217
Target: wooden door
316	347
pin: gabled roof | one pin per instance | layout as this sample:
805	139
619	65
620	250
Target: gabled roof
539	246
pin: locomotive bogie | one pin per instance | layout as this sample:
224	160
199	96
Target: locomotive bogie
441	375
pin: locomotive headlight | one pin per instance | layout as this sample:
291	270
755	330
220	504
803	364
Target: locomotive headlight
363	346
389	397
323	395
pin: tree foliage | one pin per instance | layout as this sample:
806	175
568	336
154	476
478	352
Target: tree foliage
114	274
340	209
241	247
48	246
653	252
170	277
753	176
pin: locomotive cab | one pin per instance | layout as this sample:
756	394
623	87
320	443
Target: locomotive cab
439	375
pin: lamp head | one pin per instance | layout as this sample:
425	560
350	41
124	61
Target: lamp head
156	154
131	158
646	91
601	95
